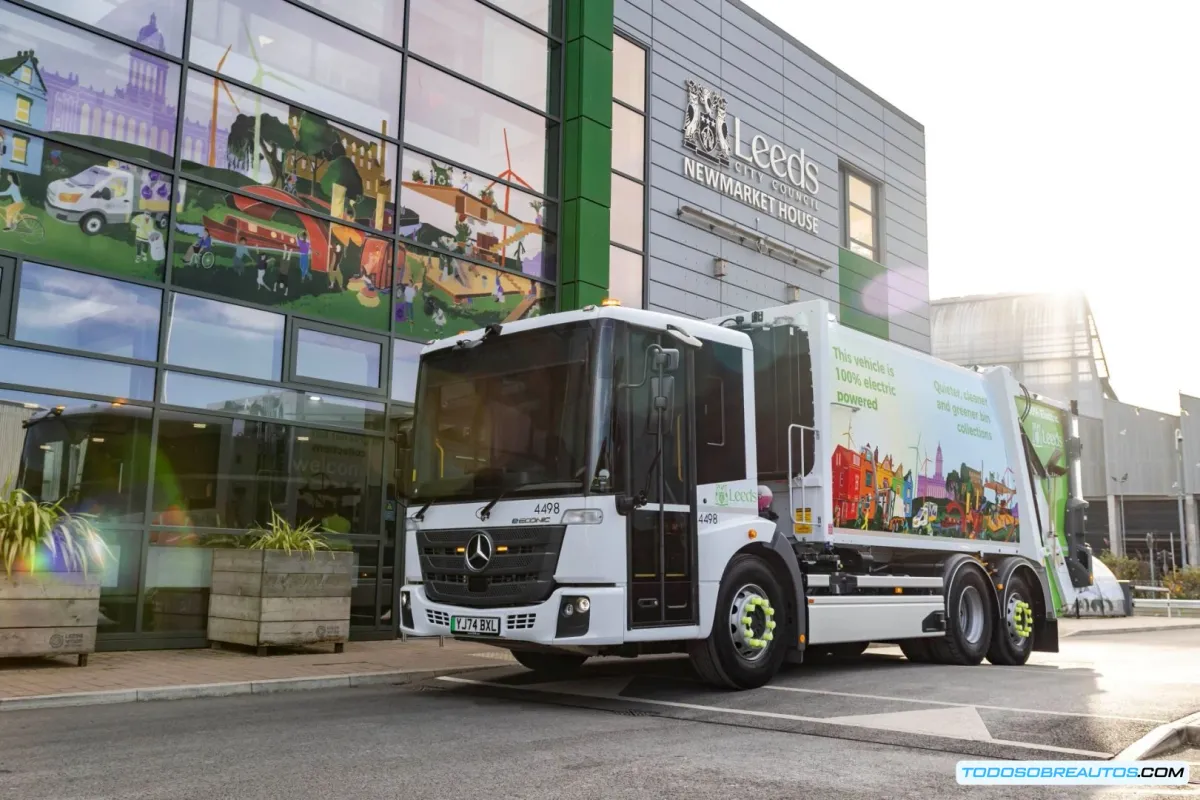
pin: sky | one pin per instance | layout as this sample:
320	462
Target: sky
1062	153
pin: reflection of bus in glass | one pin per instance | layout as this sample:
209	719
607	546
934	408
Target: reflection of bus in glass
92	457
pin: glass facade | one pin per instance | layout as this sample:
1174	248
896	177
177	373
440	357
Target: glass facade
630	163
229	225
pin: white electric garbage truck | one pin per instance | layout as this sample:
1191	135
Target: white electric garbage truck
770	486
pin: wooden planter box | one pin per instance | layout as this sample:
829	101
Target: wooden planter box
48	614
269	598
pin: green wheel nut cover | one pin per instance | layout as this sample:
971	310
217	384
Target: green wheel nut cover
1022	619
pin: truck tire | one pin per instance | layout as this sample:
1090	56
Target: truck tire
551	665
92	223
737	654
1012	639
917	650
969	620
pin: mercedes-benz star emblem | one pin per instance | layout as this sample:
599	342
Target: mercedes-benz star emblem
479	552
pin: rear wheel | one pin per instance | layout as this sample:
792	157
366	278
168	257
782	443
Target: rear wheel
552	665
749	638
917	650
1012	640
969	620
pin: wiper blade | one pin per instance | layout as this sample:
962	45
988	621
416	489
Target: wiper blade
420	515
486	511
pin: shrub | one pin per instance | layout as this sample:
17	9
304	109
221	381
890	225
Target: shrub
1124	567
1183	583
27	526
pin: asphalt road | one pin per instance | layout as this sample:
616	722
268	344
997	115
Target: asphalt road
502	737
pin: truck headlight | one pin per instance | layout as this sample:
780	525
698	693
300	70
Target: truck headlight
583	516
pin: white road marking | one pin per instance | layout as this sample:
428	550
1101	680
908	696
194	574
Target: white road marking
772	715
961	723
967	705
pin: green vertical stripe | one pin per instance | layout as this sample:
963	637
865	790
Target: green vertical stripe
863	293
586	153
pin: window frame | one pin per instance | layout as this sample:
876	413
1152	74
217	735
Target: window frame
644	181
724	461
20	141
28	106
876	186
292	352
8	272
14	308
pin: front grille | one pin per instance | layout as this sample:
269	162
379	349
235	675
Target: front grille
522	574
437	617
520	622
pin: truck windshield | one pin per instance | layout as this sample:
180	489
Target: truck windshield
90	177
510	413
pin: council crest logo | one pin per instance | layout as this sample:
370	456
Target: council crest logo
704	127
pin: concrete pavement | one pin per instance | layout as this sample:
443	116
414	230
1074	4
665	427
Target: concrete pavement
174	674
384	742
1090	701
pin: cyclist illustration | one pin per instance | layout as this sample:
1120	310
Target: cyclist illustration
27	226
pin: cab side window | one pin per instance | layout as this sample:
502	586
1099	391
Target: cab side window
720	414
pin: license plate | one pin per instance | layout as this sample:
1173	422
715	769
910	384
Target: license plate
476	626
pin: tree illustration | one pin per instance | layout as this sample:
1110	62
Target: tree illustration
319	141
240	144
952	483
276	140
418	176
342	170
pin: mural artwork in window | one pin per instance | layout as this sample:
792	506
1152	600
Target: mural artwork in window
439	295
285	154
65	204
245	248
464	214
91	90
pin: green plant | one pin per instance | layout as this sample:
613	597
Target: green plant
282	535
1183	583
1123	567
27	525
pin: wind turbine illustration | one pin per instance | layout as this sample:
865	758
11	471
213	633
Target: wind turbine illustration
849	434
917	450
212	128
260	72
508	175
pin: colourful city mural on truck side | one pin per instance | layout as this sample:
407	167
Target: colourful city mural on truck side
919	448
874	492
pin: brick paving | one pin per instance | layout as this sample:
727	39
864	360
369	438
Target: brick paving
25	677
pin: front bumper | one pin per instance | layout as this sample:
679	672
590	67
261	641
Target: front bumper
536	623
63	214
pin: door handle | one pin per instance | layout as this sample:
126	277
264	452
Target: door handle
647	602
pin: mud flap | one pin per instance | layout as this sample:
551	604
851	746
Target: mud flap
783	548
1045	635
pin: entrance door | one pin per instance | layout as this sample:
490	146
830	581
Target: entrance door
662	530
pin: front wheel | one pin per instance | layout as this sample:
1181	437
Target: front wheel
749	635
31	230
550	665
207	259
92	223
1012	640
